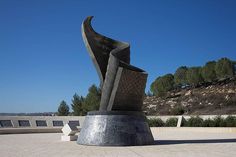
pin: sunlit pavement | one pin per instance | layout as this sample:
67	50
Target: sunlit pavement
171	143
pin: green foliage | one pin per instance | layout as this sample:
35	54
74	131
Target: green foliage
224	68
230	121
215	122
180	76
76	105
155	122
208	71
179	110
219	121
234	66
162	84
63	109
184	122
209	123
92	100
154	88
212	71
171	122
194	76
194	122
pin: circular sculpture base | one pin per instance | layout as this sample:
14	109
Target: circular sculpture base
115	128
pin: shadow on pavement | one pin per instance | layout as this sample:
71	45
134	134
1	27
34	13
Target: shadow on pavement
200	141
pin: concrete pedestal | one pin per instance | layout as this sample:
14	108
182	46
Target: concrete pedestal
115	128
69	138
69	130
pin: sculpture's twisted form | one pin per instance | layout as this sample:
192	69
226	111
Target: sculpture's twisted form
122	84
120	121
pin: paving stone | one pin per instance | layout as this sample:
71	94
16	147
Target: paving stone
169	143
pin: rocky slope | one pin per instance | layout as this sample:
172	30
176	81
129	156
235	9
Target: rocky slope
219	98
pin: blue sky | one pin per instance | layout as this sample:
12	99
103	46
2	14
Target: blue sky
43	59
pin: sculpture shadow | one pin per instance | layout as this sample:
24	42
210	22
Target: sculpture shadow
200	141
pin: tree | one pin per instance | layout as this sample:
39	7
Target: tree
180	76
208	71
162	85
76	105
194	76
224	68
92	100
234	66
154	85
63	109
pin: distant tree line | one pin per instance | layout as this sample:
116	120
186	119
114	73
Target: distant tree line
183	76
193	76
81	105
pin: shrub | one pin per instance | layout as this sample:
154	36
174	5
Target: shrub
155	122
219	121
184	122
230	121
195	122
209	123
171	122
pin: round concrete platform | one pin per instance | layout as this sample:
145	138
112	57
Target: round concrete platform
115	128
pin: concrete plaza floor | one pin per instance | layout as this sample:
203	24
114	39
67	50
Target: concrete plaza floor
169	143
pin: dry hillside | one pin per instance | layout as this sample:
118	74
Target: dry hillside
219	98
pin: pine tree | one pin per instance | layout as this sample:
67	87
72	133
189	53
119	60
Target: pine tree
63	109
208	71
162	85
180	76
224	68
194	76
92	100
76	105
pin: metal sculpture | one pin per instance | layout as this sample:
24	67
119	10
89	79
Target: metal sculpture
119	116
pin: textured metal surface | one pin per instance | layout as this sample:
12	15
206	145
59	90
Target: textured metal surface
115	129
127	94
121	90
